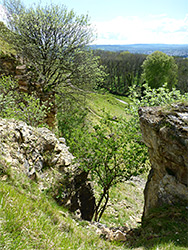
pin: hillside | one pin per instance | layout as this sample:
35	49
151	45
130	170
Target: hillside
169	49
33	215
31	219
100	102
5	48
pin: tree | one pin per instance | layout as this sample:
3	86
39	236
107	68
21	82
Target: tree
158	69
182	74
52	42
111	152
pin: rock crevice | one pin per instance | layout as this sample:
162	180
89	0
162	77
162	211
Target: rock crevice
37	153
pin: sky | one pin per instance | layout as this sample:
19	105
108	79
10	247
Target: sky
131	21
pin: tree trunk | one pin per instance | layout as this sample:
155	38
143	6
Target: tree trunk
99	210
48	99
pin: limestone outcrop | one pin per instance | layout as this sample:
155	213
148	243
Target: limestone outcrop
165	132
37	153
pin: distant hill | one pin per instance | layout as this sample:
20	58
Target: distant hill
169	49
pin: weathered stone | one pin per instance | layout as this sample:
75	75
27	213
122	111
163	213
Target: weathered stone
21	69
112	234
119	236
43	158
165	133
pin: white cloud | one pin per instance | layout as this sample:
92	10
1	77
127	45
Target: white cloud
2	13
154	29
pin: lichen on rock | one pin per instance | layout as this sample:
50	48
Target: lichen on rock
165	132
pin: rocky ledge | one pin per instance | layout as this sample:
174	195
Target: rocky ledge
37	153
165	132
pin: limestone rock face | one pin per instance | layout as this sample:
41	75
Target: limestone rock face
37	153
165	132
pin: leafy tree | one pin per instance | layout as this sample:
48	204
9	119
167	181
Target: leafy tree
159	68
111	152
52	42
182	74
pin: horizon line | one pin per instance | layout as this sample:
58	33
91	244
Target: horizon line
140	44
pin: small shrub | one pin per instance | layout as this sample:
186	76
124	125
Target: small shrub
18	105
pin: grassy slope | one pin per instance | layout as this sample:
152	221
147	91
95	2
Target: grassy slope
165	228
5	48
30	219
100	103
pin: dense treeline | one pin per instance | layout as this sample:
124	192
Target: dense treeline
122	68
182	64
125	69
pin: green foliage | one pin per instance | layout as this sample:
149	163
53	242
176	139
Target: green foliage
52	41
20	106
123	69
182	74
70	117
111	152
153	97
86	73
159	68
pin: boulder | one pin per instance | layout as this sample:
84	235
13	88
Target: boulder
165	132
39	154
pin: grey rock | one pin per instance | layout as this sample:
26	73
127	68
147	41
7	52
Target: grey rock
46	159
165	133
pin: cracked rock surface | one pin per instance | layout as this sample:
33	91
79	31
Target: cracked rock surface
165	132
44	158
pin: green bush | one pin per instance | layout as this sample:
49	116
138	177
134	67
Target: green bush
111	152
153	97
18	105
